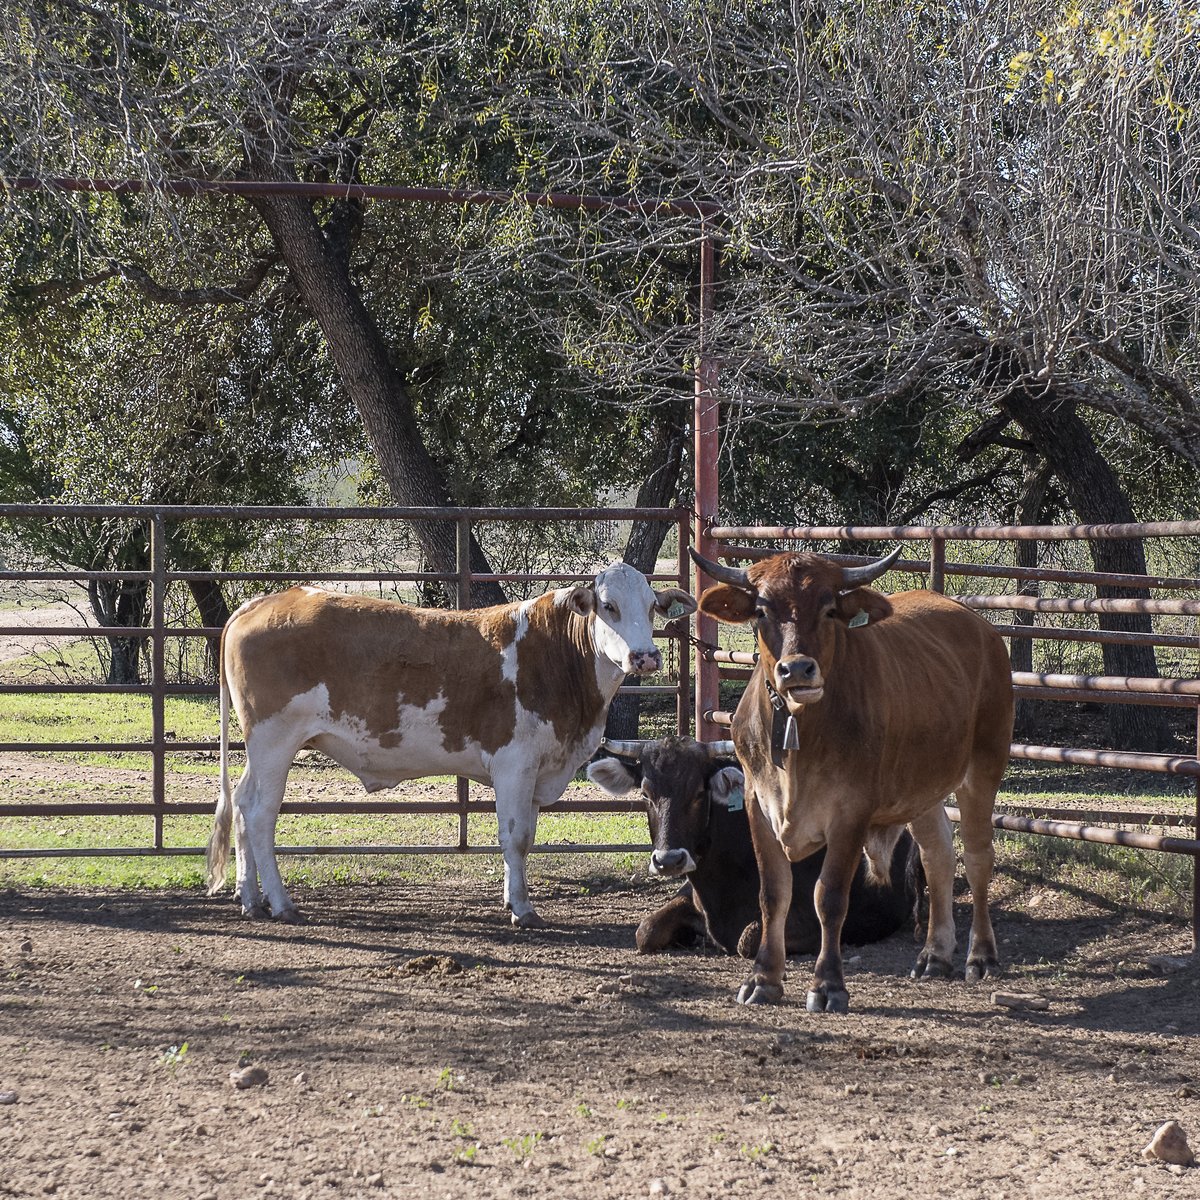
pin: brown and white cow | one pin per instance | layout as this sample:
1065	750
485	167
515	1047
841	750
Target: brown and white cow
513	696
850	729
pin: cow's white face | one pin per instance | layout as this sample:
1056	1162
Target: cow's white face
623	606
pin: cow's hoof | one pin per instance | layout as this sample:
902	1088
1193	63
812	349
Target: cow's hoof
930	966
836	1000
290	915
982	968
529	920
755	991
256	912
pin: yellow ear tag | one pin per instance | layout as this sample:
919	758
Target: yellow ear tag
859	619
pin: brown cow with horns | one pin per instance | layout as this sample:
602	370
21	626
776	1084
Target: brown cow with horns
863	714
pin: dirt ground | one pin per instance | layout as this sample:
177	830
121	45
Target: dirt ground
416	1045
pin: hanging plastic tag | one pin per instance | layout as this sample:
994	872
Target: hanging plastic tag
737	800
859	619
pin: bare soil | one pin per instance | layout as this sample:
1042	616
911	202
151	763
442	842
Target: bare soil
417	1045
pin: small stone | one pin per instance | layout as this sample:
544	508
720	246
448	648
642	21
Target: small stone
26	945
375	1180
607	989
1186	1092
1170	1145
659	1187
300	1078
1029	1001
8	1097
248	1077
852	1089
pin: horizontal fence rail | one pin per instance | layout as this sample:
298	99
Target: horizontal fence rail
160	575
1034	686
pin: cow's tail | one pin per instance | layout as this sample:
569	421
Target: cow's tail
217	856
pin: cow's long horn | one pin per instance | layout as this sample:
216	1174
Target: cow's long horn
720	749
868	572
723	574
626	749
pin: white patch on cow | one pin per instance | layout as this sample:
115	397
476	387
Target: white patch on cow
309	590
508	656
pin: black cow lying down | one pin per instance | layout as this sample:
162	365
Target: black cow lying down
698	823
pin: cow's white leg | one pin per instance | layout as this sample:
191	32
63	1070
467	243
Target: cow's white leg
975	803
516	824
246	893
256	807
935	837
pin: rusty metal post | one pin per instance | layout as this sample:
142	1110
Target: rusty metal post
158	673
1196	861
706	451
937	564
463	587
683	703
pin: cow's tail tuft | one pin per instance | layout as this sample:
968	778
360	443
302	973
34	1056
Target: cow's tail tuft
217	856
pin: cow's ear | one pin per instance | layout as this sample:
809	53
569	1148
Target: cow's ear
727	603
615	775
863	606
579	599
727	788
669	596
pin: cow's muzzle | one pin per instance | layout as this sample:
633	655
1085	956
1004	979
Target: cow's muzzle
645	662
798	679
669	863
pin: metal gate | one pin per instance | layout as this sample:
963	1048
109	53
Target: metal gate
160	575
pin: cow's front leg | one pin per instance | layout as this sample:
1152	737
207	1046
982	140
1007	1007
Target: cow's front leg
831	897
670	924
765	984
516	821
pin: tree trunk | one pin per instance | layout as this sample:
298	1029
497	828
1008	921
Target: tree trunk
214	612
659	490
1095	493
1030	506
118	602
361	356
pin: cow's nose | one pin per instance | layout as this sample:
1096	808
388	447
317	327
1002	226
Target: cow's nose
645	662
668	862
797	671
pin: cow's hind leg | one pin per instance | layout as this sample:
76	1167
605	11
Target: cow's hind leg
256	805
935	837
975	803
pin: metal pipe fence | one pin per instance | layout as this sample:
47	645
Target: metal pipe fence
160	576
714	664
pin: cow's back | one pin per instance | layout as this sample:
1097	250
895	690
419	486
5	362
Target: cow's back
913	701
372	658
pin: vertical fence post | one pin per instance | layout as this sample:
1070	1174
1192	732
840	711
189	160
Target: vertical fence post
683	699
706	451
463	565
1196	858
937	564
158	663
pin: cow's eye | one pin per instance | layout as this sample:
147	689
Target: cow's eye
830	612
609	607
